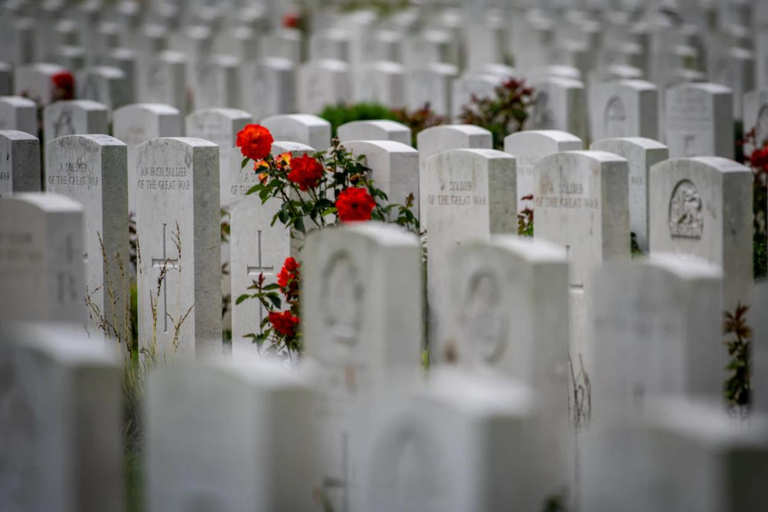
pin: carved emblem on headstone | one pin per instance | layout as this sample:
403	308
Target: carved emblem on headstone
685	216
614	118
343	293
63	125
482	319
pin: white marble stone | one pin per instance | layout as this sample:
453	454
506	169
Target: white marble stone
560	104
138	123
362	305
431	84
481	85
380	82
257	246
322	83
220	126
42	276
394	169
641	154
217	82
702	207
268	87
528	147
434	140
74	117
755	116
93	170
230	436
104	84
581	201
177	205
624	108
34	82
62	421
17	113
164	80
306	129
699	120
470	194
374	130
19	163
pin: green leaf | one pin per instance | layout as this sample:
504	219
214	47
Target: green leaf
283	215
244	162
253	189
274	299
299	224
242	298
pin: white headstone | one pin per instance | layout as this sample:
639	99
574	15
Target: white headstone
93	170
479	85
375	130
74	117
104	84
220	126
362	321
756	116
19	163
322	83
41	251
17	113
442	138
135	124
394	169
380	82
641	154
699	120
431	84
36	82
178	223
61	394
702	207
257	246
560	104
306	129
165	80
230	436
217	82
624	108
470	194
268	87
528	147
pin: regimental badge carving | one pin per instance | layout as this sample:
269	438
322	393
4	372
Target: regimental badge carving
342	295
686	219
482	320
63	125
615	118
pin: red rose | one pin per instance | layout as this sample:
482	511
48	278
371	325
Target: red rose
291	20
759	158
288	277
64	83
284	323
305	172
254	141
355	204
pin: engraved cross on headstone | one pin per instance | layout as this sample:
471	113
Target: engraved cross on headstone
260	269
165	263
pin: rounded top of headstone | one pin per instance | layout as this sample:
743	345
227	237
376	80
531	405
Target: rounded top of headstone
17	101
385	234
155	108
529	136
278	63
231	113
299	119
105	71
636	84
47	201
473	154
177	141
388	67
715	163
557	80
389	146
707	87
88	105
684	267
65	343
45	68
600	156
640	142
95	138
464	129
16	135
329	64
529	249
284	146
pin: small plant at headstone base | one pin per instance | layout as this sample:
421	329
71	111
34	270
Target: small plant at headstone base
758	162
419	119
316	191
634	247
738	390
525	219
226	299
338	115
502	114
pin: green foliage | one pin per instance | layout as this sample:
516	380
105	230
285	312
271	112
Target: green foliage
419	119
634	247
502	114
737	387
338	115
525	219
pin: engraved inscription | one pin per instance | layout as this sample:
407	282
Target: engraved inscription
63	125
164	178
564	197
461	195
685	212
614	118
482	320
74	174
343	294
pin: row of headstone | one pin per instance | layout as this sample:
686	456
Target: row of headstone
357	426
